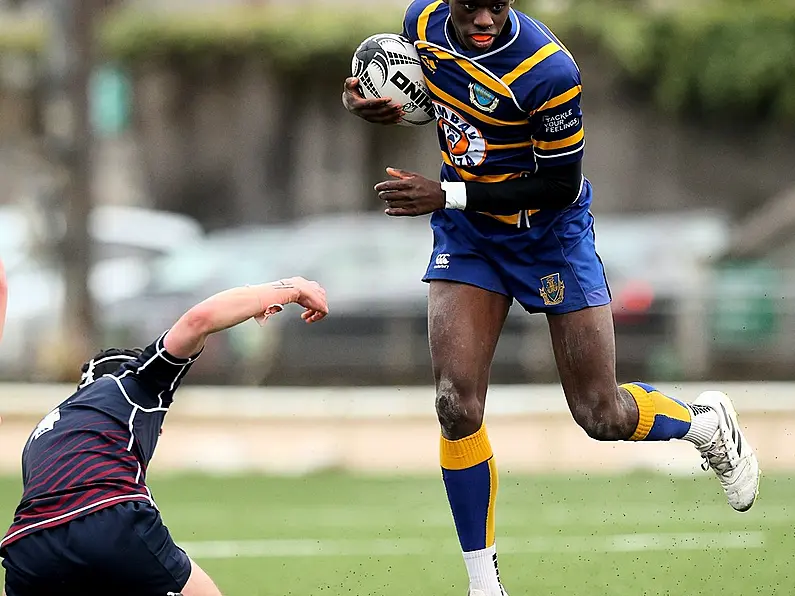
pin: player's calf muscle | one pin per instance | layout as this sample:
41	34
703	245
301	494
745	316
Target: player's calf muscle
608	416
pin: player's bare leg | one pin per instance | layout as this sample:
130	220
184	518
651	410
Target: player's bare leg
585	353
584	347
464	324
199	583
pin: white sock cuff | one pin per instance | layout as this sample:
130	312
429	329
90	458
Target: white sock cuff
477	554
703	425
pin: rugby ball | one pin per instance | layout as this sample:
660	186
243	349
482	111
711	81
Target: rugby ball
387	65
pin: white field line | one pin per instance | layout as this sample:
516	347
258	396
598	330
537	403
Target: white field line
551	516
536	545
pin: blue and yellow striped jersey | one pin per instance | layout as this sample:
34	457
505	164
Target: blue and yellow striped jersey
503	113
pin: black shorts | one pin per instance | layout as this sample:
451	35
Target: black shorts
122	550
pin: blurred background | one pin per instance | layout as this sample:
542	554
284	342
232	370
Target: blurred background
153	152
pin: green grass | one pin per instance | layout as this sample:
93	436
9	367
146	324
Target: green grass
603	536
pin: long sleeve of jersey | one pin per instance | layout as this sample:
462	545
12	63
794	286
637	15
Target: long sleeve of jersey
554	188
155	375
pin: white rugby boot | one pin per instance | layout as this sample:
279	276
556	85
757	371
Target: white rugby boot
474	592
729	454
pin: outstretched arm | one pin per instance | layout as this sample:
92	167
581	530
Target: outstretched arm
232	307
3	298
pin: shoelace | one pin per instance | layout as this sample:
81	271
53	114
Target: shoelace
718	458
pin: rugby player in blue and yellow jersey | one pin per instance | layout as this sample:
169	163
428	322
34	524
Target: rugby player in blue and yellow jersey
511	220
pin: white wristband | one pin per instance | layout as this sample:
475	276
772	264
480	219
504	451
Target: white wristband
455	195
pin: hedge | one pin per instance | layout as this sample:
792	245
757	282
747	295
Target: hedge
713	58
288	37
730	59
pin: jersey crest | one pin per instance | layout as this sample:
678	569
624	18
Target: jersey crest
482	98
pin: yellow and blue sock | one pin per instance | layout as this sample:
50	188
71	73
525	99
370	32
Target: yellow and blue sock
470	478
662	418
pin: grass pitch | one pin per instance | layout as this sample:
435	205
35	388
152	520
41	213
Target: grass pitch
335	534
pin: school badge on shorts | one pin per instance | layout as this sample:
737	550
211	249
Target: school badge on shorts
482	98
551	289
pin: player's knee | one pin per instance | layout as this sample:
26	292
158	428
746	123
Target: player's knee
459	409
598	418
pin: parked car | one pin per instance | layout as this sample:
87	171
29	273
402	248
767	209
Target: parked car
125	239
222	259
372	268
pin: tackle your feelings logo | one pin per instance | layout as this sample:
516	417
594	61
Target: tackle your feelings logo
465	143
552	289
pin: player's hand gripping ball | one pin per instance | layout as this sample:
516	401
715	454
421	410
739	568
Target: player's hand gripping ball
388	86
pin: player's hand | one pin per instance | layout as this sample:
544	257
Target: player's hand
410	194
311	296
379	111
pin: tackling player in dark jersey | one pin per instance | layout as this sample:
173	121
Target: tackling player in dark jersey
87	523
511	220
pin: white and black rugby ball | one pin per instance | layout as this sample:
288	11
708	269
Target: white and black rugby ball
387	65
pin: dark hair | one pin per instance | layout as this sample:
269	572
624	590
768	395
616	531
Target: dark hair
106	362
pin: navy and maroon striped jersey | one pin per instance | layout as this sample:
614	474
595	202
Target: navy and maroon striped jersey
92	451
